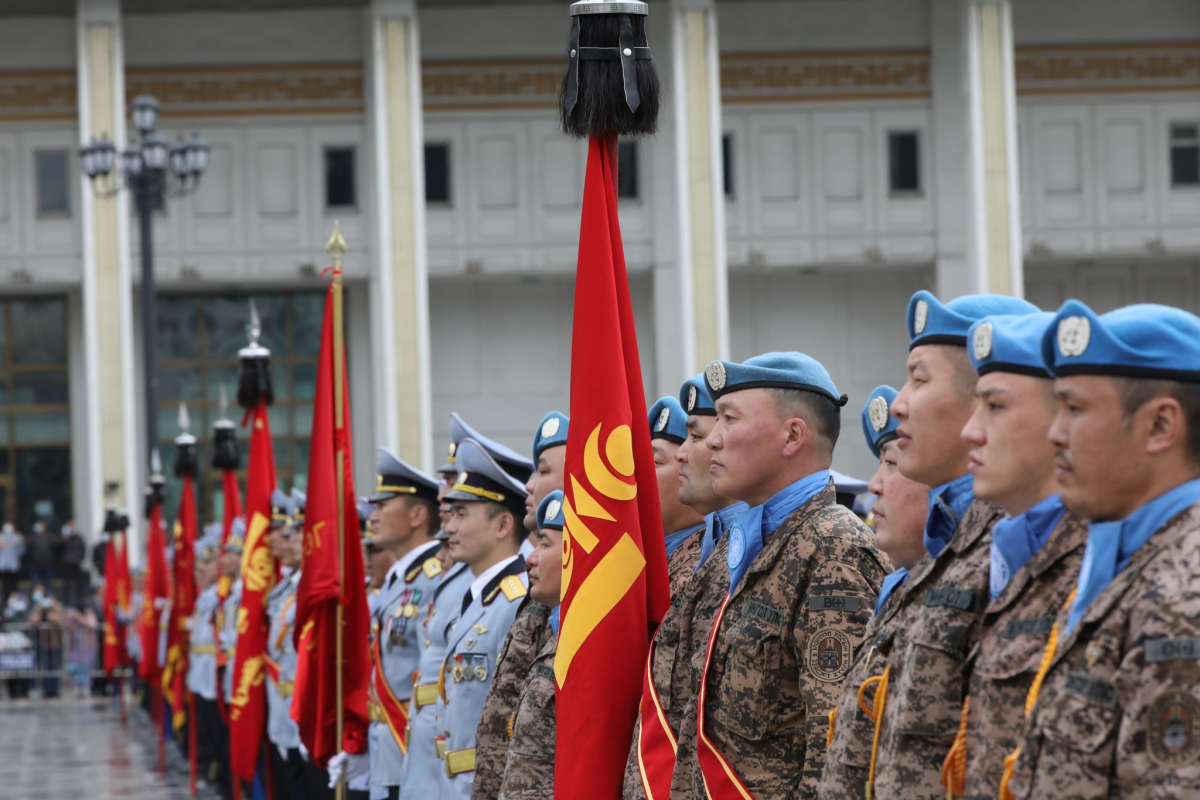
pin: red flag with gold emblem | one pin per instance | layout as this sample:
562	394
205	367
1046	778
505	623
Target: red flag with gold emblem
156	594
116	602
248	707
331	576
183	603
614	587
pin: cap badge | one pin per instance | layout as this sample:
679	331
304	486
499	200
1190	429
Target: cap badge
552	509
1073	335
549	427
983	341
462	477
662	420
920	317
715	375
691	398
877	411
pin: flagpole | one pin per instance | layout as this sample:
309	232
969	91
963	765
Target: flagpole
337	246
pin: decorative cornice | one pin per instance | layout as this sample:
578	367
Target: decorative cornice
1107	69
42	95
490	85
815	77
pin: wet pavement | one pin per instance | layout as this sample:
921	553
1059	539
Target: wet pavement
71	749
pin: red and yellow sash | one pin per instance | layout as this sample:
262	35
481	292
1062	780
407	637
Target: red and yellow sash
394	710
273	670
720	781
656	745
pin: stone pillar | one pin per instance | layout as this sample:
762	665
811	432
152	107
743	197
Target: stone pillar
695	89
974	124
111	460
400	283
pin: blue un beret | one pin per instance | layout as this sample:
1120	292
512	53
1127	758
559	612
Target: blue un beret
668	420
1141	341
1007	343
481	478
932	322
551	432
513	463
771	371
398	477
550	512
693	396
878	424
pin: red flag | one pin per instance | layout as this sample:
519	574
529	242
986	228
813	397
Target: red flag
614	560
183	603
248	708
116	597
330	577
233	510
157	592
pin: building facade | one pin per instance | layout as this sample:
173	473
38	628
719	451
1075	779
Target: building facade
819	160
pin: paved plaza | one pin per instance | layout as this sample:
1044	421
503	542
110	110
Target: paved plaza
69	749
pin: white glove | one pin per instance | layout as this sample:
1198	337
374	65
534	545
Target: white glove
304	752
353	764
282	751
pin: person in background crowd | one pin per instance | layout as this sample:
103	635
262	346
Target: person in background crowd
45	621
99	552
74	553
12	547
43	552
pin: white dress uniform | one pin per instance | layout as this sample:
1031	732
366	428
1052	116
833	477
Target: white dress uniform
202	666
281	611
423	769
228	636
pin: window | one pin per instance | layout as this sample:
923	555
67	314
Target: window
53	183
340	188
437	173
1185	154
904	162
727	164
35	448
199	336
627	171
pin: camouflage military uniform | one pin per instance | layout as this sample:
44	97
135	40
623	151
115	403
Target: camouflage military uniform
924	633
529	770
1119	712
682	563
529	632
1009	652
784	646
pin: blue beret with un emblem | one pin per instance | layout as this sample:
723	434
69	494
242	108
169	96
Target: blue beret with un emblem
1007	343
932	322
878	424
1142	341
550	512
668	420
771	371
551	432
509	460
481	478
693	396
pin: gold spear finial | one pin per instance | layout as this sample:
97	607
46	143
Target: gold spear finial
336	245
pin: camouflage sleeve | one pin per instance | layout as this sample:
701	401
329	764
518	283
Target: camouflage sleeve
830	622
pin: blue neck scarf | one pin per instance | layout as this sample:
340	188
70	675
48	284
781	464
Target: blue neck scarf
1016	539
947	504
890	582
746	535
554	619
1110	545
715	525
673	540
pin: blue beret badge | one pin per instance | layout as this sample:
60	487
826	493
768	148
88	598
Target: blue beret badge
920	317
550	427
691	406
715	376
663	419
878	412
982	343
1073	335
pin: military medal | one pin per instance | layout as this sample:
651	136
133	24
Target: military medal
480	664
458	670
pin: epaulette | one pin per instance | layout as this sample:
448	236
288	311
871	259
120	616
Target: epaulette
513	588
432	567
412	573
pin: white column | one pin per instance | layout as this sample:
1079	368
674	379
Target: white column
400	289
695	90
975	135
111	459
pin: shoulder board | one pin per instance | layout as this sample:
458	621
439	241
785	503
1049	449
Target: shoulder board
412	573
512	587
375	592
432	567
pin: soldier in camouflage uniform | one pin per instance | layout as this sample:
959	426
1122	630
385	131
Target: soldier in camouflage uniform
529	631
803	577
1118	713
1036	550
529	766
678	655
682	524
928	618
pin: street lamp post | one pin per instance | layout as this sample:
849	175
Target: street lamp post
152	171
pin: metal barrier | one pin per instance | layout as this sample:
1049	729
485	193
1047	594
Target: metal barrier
48	659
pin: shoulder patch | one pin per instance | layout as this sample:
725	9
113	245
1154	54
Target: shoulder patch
1174	729
432	567
829	655
513	588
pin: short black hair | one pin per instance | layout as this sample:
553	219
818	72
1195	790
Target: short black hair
822	414
495	509
1136	392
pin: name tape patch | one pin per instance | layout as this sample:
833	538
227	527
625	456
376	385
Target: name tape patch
544	671
833	602
1034	626
764	612
1095	689
1185	648
950	597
